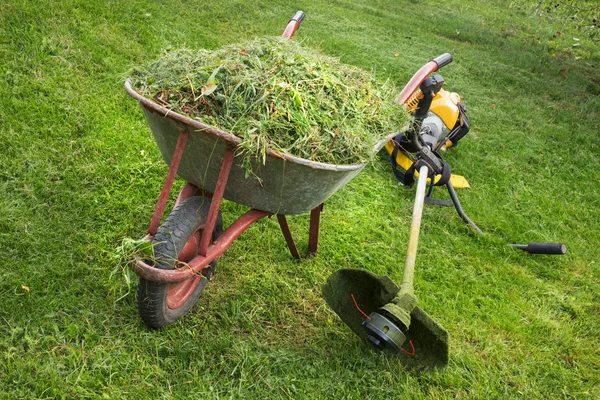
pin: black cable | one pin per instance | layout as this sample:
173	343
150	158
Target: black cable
458	207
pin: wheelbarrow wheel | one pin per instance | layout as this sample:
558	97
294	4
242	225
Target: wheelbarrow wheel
176	243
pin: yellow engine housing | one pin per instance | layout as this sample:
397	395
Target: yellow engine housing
444	105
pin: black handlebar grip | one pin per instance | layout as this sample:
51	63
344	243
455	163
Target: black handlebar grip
443	60
542	248
298	17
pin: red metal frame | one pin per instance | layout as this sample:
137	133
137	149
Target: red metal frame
313	235
196	265
186	192
290	29
287	234
208	252
216	201
164	194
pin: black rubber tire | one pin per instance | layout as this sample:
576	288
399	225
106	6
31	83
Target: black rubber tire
178	228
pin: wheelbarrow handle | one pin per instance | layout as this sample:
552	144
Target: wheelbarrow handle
418	78
293	25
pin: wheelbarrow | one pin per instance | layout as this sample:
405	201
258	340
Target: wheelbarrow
191	239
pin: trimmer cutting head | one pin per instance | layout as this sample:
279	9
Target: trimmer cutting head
384	332
357	297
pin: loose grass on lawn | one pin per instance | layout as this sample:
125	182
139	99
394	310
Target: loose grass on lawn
79	171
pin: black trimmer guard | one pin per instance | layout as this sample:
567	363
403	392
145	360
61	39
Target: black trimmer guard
371	292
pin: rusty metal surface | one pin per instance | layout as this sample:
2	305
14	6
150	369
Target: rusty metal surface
215	204
164	194
287	234
283	185
196	265
186	192
313	234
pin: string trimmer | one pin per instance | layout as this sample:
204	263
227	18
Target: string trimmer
381	313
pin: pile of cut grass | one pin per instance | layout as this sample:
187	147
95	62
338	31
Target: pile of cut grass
274	93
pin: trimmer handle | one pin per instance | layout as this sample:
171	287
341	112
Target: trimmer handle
443	60
293	25
429	88
542	248
422	74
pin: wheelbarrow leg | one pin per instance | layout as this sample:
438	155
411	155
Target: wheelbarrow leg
313	234
164	194
287	234
216	200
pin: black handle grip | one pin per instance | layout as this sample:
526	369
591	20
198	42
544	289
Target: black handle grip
542	248
293	25
443	60
298	17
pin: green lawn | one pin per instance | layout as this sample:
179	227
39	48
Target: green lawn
79	171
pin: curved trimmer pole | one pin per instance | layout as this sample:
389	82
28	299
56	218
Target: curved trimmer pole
293	25
418	78
415	228
405	301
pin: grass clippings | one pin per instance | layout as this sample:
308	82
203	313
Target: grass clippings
274	93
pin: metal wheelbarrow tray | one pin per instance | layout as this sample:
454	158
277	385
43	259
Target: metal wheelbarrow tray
283	185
